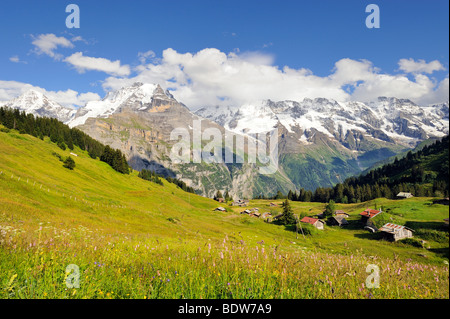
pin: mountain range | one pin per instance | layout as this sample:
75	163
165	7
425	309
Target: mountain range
320	142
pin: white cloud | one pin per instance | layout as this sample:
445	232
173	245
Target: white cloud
69	98
78	38
83	63
420	66
144	56
211	77
256	57
48	43
16	59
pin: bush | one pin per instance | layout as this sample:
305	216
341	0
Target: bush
308	230
69	163
432	234
58	156
173	220
62	145
412	242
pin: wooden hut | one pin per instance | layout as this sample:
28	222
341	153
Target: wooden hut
341	213
404	195
337	220
368	214
393	232
313	221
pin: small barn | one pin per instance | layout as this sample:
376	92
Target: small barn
337	220
220	209
404	195
221	200
393	232
341	213
278	216
247	211
241	203
313	221
255	214
368	214
273	205
266	215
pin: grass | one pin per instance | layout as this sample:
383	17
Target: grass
132	238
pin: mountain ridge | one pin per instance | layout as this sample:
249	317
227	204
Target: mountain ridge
321	141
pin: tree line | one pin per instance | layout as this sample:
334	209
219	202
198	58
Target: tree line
62	135
424	173
156	178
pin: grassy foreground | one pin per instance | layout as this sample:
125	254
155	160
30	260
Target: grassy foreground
130	238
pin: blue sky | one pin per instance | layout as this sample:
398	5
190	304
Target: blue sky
326	46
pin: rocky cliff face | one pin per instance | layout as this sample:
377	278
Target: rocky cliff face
142	130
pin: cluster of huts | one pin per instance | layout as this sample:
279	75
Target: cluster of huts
389	231
254	212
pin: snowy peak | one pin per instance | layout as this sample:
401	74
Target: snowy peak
36	103
139	97
387	118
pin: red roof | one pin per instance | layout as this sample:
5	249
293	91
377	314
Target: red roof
370	213
309	220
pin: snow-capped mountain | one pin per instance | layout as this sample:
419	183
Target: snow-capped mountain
386	119
36	103
321	141
138	97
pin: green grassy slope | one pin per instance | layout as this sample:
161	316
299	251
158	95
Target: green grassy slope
133	239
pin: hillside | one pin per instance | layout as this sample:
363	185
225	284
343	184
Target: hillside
424	172
426	169
400	155
132	238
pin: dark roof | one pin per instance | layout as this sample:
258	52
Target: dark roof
340	219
